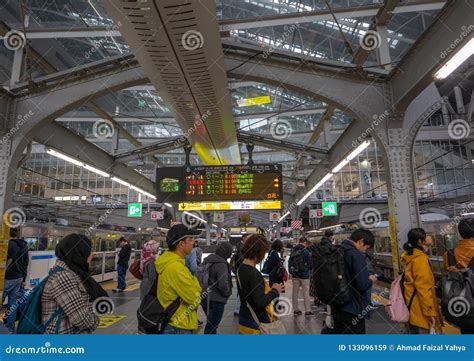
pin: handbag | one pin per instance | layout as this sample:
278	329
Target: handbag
273	328
135	270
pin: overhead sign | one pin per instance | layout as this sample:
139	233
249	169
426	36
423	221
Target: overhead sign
134	210
228	206
315	213
274	216
329	208
248	102
155	215
259	182
218	217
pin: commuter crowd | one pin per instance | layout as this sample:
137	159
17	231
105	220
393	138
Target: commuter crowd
176	282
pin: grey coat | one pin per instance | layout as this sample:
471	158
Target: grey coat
149	277
220	278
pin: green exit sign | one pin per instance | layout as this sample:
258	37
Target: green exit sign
329	208
134	210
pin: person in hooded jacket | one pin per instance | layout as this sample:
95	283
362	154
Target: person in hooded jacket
150	251
15	274
419	284
220	284
73	289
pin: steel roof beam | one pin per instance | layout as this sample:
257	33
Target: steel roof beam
150	149
63	140
323	15
271	142
434	47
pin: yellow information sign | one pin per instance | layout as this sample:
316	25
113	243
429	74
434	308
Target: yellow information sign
248	102
228	206
109	320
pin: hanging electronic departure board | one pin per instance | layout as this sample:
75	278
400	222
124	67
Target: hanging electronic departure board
229	187
233	183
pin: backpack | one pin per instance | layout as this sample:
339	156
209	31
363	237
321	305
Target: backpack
202	275
135	270
152	317
296	262
457	302
397	309
330	281
30	321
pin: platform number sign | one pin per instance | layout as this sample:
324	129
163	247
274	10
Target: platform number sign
329	209
134	210
156	215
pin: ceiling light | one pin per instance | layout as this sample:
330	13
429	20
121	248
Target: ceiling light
168	205
122	182
312	190
284	216
460	57
341	165
65	157
358	150
194	216
97	171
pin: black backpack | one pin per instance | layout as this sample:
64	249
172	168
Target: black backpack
457	301
152	317
329	278
296	262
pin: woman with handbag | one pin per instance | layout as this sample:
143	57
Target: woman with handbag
256	296
419	284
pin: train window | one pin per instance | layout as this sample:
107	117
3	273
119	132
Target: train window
450	240
109	263
96	264
32	244
42	244
438	248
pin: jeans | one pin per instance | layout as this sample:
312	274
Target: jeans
121	272
10	290
346	323
304	284
214	317
171	330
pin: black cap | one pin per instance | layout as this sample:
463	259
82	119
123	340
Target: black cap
179	232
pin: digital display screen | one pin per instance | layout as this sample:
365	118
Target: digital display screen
169	185
233	183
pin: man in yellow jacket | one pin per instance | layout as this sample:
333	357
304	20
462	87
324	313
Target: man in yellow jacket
176	281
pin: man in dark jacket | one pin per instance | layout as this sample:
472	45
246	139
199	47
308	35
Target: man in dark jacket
220	284
350	318
15	275
299	266
122	264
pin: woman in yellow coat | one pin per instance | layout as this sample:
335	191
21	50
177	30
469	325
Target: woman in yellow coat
419	284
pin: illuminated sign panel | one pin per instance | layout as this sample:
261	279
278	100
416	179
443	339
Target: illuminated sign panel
228	206
217	188
248	102
233	183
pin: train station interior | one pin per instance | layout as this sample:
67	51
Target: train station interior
280	118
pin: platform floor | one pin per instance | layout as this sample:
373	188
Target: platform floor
124	320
